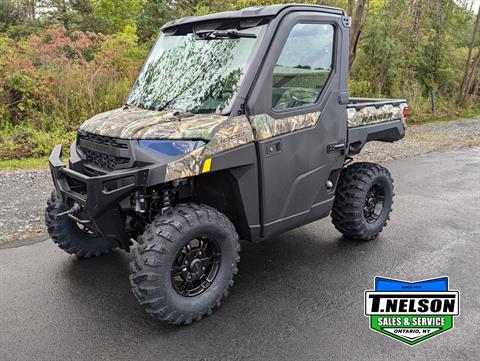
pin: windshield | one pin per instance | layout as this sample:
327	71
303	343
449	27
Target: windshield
194	73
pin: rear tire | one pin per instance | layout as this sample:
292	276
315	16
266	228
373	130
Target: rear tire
363	201
68	235
184	263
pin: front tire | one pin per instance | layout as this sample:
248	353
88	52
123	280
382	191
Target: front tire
363	201
71	237
184	263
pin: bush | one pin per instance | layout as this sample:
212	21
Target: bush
50	83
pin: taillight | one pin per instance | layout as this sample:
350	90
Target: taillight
405	113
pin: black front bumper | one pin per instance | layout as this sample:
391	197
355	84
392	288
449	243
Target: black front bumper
99	196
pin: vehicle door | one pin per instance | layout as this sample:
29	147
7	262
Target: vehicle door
297	110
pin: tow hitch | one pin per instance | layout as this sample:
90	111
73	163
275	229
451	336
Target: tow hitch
72	214
74	210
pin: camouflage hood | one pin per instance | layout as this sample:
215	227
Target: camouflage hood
136	123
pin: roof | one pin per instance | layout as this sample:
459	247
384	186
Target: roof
252	12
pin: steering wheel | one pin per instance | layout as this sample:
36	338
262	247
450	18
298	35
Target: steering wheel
296	102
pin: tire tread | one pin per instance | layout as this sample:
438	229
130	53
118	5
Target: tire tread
147	259
58	231
347	211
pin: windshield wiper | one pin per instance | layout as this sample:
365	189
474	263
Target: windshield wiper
178	115
222	34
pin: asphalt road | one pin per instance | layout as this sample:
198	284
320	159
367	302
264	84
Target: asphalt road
298	296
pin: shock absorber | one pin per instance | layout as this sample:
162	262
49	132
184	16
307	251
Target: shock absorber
140	205
166	200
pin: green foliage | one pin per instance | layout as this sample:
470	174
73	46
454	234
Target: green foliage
10	13
25	141
49	84
25	163
117	13
150	19
62	61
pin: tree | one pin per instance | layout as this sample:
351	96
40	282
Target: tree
357	25
14	12
117	13
63	11
151	17
84	19
190	7
470	69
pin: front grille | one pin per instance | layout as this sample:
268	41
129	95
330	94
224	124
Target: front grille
104	152
104	160
100	139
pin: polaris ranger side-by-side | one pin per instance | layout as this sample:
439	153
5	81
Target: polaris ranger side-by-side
239	126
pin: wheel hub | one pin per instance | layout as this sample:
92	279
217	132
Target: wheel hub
374	203
195	267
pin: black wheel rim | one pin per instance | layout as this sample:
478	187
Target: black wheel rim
195	266
374	203
90	232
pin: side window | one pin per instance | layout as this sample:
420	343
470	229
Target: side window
303	67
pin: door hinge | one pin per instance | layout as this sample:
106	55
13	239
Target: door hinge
343	98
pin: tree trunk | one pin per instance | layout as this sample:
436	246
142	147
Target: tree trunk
415	9
351	5
33	9
356	29
471	77
462	94
382	77
30	7
64	10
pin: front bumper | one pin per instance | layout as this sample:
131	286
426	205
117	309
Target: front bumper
99	196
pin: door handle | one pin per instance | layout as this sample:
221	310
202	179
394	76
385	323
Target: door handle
273	148
334	147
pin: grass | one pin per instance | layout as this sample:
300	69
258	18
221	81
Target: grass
25	163
29	235
464	115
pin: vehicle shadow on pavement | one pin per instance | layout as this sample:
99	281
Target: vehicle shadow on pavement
104	284
290	270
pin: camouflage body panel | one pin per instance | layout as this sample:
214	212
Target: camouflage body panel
371	115
136	123
234	132
229	134
221	132
264	126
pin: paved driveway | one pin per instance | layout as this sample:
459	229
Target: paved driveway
298	296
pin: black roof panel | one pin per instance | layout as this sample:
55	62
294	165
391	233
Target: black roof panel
252	12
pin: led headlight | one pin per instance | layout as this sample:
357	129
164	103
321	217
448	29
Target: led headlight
171	147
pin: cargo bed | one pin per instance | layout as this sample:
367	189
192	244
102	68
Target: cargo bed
370	119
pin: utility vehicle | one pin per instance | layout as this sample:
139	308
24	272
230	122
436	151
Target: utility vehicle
239	126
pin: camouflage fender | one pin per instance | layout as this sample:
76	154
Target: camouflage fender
227	135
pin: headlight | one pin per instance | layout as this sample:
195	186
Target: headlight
171	147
